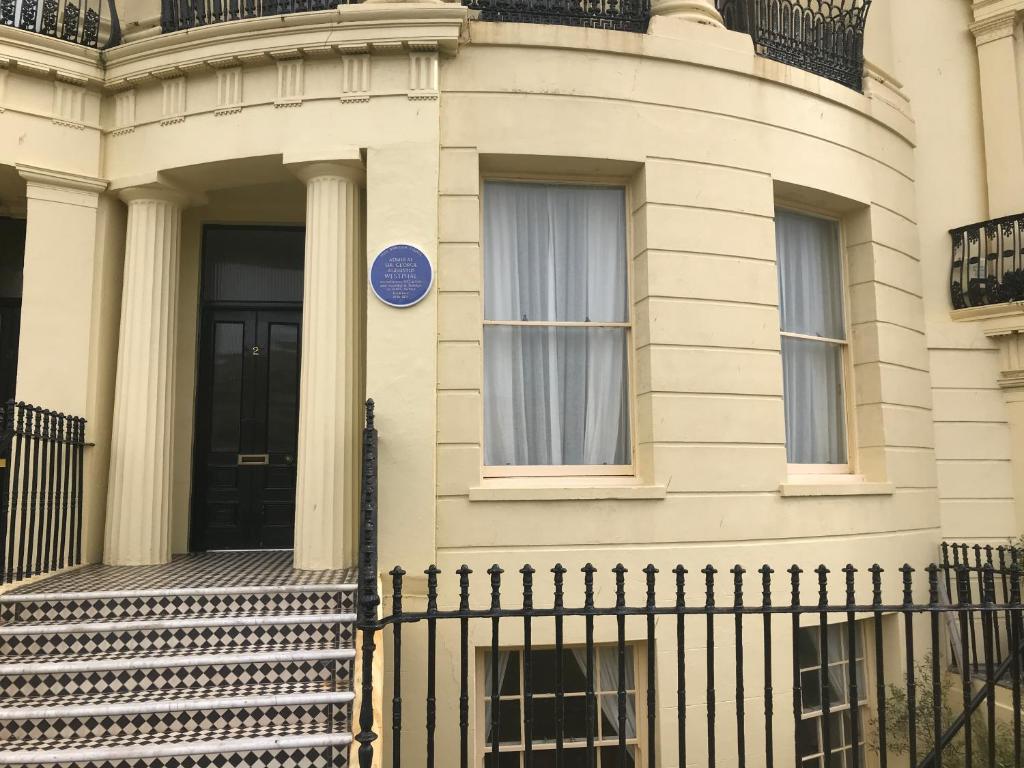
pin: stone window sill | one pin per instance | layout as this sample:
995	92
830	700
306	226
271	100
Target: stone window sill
564	489
832	485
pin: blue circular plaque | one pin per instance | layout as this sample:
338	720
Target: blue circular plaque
401	275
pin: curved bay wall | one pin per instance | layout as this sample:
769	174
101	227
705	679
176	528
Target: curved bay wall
707	138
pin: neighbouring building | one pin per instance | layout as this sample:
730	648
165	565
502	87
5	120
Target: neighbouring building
629	281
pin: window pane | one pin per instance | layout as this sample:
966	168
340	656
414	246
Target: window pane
571	758
609	706
837	650
608	661
807	738
812	373
545	723
545	672
509	725
808	650
838	678
508	673
555	396
249	264
810	275
610	756
576	718
505	760
810	686
554	252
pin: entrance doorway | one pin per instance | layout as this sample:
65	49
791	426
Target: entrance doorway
12	259
247	398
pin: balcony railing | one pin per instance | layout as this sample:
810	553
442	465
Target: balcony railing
77	22
186	14
621	15
41	465
825	37
988	263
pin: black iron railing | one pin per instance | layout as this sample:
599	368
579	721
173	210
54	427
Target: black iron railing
586	670
41	463
186	14
975	560
825	37
622	15
988	263
77	21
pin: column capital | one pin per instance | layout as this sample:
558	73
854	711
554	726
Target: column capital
344	162
160	192
988	29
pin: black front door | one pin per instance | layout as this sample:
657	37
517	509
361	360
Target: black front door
246	429
10	331
12	257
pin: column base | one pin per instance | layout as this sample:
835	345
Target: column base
694	11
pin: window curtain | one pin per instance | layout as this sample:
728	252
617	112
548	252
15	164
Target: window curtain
608	669
555	395
503	659
838	674
811	304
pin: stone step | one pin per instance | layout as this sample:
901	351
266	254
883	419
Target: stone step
186	633
69	606
175	711
136	671
281	746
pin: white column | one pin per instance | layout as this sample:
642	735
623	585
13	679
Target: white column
700	11
139	495
330	391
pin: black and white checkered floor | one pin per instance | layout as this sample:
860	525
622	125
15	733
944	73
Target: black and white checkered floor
220	659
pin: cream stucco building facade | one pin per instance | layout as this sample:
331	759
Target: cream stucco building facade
365	125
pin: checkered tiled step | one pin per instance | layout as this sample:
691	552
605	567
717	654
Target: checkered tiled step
281	746
177	711
182	633
73	674
82	606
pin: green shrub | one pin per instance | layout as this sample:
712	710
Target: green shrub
897	723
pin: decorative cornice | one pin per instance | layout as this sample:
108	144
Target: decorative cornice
44	56
61	179
383	28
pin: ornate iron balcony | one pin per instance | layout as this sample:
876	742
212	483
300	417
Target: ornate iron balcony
186	14
988	263
76	22
621	15
825	37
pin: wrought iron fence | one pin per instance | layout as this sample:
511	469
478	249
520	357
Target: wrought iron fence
988	263
975	560
77	22
622	15
587	689
825	37
186	14
41	463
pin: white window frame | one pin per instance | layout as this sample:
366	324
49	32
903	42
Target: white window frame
841	752
636	741
848	468
569	470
